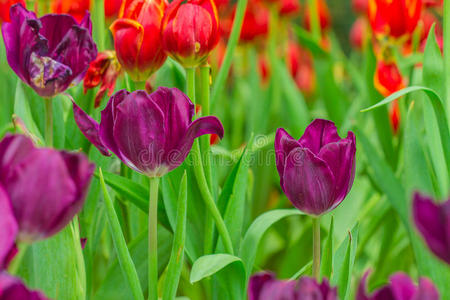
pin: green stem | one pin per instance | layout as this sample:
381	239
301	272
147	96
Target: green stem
125	261
447	56
314	19
153	240
316	247
200	174
48	122
15	263
99	23
232	43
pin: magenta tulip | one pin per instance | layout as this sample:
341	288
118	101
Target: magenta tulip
12	288
151	133
46	187
8	230
49	53
400	287
317	171
264	286
433	221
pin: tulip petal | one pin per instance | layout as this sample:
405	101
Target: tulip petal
13	288
8	229
55	27
431	221
86	22
107	122
38	200
139	132
340	157
90	129
319	133
178	111
201	126
426	291
256	284
362	288
402	286
308	182
13	150
284	144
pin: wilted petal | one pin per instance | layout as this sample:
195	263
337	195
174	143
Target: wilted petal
12	288
340	157
308	182
319	133
201	126
433	221
86	22
90	128
139	132
178	111
284	144
8	229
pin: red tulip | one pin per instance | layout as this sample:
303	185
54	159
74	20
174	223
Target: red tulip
256	21
289	8
137	37
4	9
190	31
112	8
388	78
359	33
324	16
300	65
75	8
395	18
360	6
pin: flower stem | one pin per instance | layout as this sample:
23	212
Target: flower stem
316	247
153	240
125	261
200	174
48	122
446	51
314	19
15	263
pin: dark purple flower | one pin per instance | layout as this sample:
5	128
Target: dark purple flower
400	287
317	171
8	230
48	53
264	286
12	288
433	221
46	187
151	133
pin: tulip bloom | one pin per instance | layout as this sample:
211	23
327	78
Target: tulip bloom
75	8
151	134
190	31
12	288
263	286
46	59
137	37
317	171
8	230
102	71
42	205
388	78
395	18
433	221
400	287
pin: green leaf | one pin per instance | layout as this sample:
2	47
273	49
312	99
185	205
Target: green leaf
256	231
438	110
308	41
343	263
326	267
177	256
228	269
22	109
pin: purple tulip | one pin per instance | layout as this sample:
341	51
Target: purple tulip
48	53
46	187
264	286
8	230
151	133
12	288
317	171
433	221
400	287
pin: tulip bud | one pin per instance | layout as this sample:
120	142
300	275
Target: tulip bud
8	230
150	133
137	38
12	288
433	221
48	60
400	287
317	171
395	18
263	286
190	31
289	8
388	78
42	205
359	33
103	71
